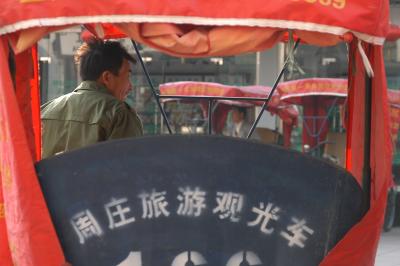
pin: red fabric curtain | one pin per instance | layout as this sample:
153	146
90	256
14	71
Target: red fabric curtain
32	239
27	91
359	245
5	254
35	104
369	17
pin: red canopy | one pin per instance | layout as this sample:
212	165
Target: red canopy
394	100
394	33
317	96
286	112
170	26
190	88
367	19
297	90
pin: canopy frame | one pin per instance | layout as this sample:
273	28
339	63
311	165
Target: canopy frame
211	99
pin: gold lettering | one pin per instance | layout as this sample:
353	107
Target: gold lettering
339	4
2	211
30	1
14	251
314	86
325	2
6	173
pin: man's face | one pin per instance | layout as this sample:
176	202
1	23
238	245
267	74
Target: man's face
237	116
120	85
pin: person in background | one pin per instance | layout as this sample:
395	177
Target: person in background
240	128
95	111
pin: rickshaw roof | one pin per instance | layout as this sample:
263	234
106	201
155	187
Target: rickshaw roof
212	89
366	19
293	91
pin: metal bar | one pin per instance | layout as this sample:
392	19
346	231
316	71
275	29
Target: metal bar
366	181
210	104
12	65
269	96
325	118
211	98
152	87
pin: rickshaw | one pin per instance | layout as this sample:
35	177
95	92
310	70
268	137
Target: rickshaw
392	206
318	97
217	100
196	29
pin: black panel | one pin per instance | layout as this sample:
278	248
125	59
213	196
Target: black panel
248	199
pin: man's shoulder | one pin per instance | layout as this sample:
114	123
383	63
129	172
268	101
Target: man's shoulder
54	105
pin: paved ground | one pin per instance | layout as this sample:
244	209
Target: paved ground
389	249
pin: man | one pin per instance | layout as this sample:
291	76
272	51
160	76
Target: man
240	127
95	111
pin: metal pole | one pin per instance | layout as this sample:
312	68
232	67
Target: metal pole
152	87
272	91
210	105
366	181
214	98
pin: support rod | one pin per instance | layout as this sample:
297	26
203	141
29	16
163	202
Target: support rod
269	96
210	109
201	97
151	86
366	181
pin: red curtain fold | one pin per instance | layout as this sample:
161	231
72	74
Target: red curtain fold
35	105
5	253
32	239
359	245
27	92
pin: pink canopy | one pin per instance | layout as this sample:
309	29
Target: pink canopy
394	100
297	90
286	112
394	33
317	96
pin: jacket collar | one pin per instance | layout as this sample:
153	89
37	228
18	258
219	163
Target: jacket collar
92	86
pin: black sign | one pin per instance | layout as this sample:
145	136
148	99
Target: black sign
194	200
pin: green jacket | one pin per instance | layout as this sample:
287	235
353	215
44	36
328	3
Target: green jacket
87	115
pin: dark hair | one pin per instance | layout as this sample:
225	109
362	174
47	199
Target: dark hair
242	110
97	56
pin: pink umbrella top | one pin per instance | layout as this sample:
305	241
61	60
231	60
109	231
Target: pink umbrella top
295	91
288	113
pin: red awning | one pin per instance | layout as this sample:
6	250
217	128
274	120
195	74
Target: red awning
286	112
394	33
317	96
394	109
297	90
367	19
189	88
198	28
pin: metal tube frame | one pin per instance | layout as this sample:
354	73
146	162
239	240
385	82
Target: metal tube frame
211	99
269	96
210	111
366	181
152	86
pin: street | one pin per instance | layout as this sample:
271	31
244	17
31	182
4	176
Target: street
389	249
